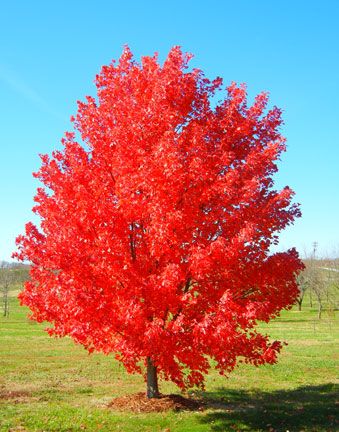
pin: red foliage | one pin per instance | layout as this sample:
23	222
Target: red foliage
155	232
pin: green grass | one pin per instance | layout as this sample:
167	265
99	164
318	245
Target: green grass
49	384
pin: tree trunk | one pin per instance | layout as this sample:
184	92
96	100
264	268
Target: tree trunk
152	380
320	307
299	302
6	303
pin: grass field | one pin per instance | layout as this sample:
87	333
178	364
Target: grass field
53	385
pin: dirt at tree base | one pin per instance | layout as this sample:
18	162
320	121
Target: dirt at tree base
139	402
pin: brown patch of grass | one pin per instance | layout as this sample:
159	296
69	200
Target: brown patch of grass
17	396
308	342
12	394
139	402
17	429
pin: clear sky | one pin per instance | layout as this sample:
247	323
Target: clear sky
51	51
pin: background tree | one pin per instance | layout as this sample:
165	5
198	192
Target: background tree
312	279
11	276
329	269
304	284
320	278
155	232
6	280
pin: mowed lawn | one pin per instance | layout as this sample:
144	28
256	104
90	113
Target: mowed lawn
49	384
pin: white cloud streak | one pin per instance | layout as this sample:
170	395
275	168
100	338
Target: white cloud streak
13	81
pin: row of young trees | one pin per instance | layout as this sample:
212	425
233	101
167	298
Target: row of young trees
319	282
11	275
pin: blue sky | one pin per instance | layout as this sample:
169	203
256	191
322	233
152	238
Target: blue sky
51	51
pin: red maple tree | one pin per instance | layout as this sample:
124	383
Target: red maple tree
155	233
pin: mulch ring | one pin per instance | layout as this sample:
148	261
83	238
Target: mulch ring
138	402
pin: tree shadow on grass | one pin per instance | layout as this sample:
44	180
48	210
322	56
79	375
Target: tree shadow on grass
311	408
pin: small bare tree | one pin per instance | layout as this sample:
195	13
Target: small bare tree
6	280
303	284
318	287
312	279
321	279
10	275
330	270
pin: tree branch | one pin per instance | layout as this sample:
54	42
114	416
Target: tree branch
132	242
